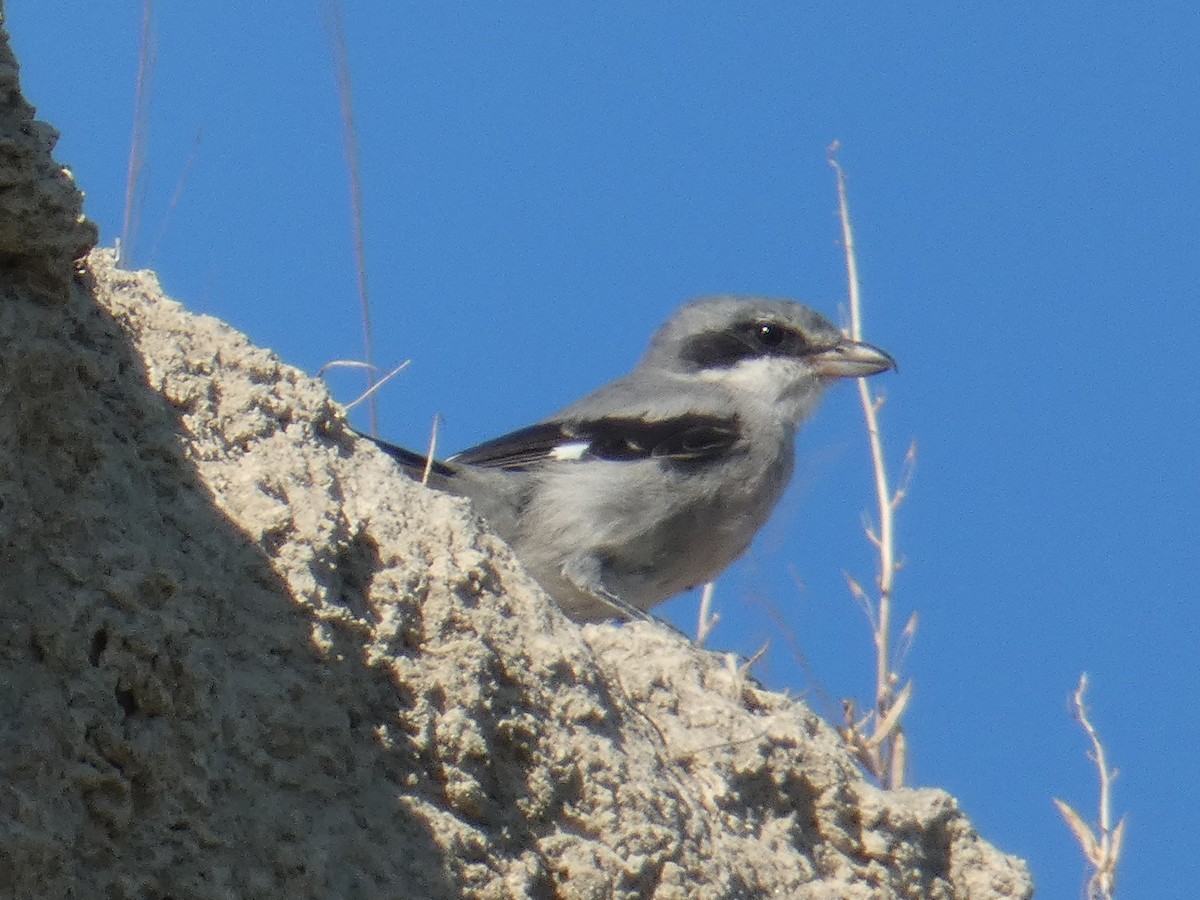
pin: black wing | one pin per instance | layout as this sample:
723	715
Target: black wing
518	449
687	438
413	463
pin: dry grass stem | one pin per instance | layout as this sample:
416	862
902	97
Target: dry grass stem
431	453
355	364
139	139
340	364
908	637
177	195
825	702
1101	846
745	667
332	16
877	738
708	619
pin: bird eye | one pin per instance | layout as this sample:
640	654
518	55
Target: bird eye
769	336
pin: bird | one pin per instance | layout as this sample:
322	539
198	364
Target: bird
656	482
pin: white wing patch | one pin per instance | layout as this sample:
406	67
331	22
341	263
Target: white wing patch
570	452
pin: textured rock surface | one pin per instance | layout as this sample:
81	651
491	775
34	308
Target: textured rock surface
42	228
240	656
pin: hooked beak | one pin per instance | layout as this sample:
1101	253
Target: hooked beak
851	359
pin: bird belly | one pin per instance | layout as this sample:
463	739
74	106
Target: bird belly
646	534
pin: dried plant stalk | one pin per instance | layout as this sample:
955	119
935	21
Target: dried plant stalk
877	738
1101	846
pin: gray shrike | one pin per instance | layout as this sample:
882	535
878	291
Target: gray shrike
656	482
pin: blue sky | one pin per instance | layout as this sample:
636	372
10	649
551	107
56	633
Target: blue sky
545	182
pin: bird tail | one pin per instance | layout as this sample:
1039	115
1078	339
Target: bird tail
414	464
